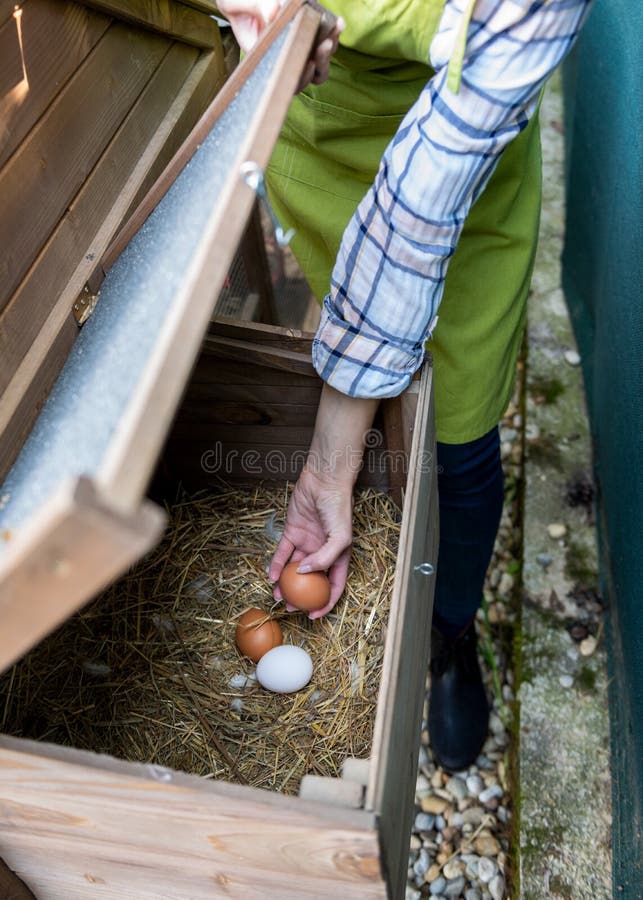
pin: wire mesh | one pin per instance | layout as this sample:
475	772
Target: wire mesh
265	282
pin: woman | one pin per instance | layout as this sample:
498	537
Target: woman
427	104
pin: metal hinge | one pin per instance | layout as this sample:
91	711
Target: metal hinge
84	306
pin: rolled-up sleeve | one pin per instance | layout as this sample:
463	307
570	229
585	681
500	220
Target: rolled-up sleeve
388	279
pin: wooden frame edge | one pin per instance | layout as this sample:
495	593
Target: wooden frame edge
77	544
146	831
145	423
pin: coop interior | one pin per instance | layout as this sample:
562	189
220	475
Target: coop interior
149	670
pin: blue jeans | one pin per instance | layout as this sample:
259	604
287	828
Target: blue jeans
470	487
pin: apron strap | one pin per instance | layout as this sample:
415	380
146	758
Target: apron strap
454	70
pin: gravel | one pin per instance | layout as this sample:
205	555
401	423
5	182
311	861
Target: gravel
463	819
423	822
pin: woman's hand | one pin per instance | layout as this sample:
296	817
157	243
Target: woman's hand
318	532
318	529
248	18
318	66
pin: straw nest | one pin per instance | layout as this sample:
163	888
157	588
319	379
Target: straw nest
150	670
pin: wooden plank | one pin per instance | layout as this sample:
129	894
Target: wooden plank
53	41
259	333
208	413
74	824
41	179
14	85
296	435
7	8
232	389
11	887
206	6
197	462
77	545
165	17
398	457
391	789
254	429
267	435
38	314
231	51
398	416
205	82
132	456
22	407
332	791
267	355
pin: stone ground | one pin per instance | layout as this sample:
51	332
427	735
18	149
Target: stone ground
565	785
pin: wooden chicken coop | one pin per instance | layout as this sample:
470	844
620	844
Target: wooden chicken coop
122	152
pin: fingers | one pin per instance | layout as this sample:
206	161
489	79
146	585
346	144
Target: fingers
263	10
248	18
321	60
268	10
294	557
307	76
328	554
246	31
317	69
337	576
281	556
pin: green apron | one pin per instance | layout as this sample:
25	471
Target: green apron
325	161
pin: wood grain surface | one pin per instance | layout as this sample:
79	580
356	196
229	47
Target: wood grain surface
7	8
43	176
204	82
33	326
206	6
58	562
391	789
56	37
168	17
74	825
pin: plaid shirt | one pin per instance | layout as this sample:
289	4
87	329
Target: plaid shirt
389	275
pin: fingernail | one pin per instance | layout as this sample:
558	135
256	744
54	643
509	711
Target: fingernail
304	570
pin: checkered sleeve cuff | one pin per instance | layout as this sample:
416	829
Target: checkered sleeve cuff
359	364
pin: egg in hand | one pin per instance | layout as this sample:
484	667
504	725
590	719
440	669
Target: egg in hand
307	592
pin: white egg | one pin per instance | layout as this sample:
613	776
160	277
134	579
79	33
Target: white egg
284	669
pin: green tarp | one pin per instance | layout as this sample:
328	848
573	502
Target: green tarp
603	283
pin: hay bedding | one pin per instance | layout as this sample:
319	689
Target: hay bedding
150	671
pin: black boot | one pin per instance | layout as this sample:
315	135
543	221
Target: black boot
458	707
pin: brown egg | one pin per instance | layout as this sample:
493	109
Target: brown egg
308	592
257	633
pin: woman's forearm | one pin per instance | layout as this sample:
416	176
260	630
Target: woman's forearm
341	426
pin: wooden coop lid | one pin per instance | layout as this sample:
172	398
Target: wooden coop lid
72	508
